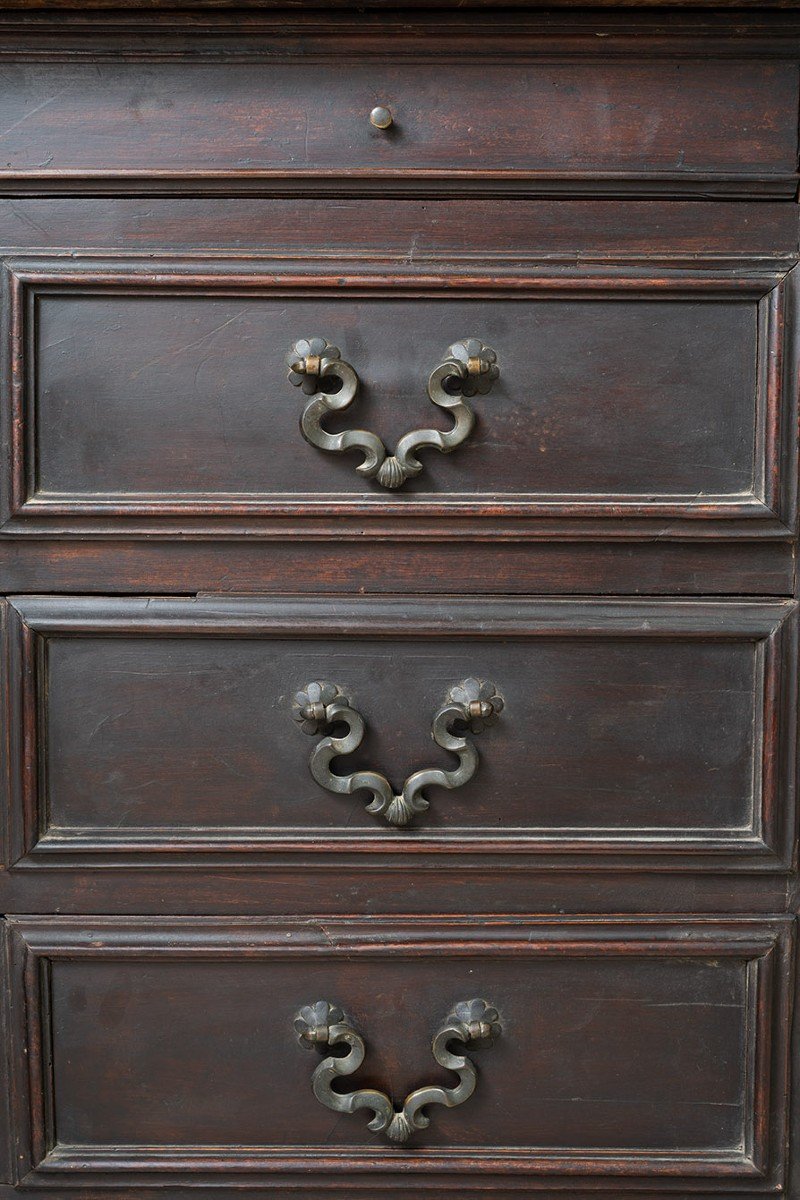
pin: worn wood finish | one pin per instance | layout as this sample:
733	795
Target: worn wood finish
338	562
130	718
605	196
387	883
305	121
748	250
591	228
673	405
703	1001
152	9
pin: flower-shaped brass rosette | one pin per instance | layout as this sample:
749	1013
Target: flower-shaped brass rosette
478	366
308	360
309	707
314	1022
479	700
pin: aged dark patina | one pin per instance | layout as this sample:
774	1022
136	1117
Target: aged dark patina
606	191
469	368
320	706
319	1025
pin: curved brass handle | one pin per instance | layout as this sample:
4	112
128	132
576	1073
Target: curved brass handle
469	367
321	705
323	1024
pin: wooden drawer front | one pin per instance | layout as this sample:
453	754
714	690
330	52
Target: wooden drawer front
504	125
152	395
163	1050
630	728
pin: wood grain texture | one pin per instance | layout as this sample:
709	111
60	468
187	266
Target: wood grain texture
585	566
722	985
414	229
388	884
33	7
140	727
506	125
678	400
611	190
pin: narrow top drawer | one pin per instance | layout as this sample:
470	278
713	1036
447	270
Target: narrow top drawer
460	121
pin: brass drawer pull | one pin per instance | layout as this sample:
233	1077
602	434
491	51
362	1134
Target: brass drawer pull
469	368
321	705
380	117
473	1022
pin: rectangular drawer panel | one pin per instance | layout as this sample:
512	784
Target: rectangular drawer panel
665	122
651	1049
647	727
149	393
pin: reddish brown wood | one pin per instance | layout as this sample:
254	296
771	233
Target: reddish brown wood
343	564
305	121
416	229
706	990
638	436
130	718
608	197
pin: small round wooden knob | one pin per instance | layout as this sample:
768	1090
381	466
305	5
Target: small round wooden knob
380	117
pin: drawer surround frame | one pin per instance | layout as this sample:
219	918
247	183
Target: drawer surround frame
769	512
764	944
766	846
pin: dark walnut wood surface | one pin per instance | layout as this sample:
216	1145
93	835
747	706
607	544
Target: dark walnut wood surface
574	637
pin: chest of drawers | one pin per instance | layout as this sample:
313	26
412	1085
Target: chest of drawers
398	526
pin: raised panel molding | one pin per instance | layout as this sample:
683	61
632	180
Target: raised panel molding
766	512
766	844
191	187
762	946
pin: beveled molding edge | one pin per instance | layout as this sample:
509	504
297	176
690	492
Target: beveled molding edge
337	31
412	183
768	512
737	21
765	846
764	947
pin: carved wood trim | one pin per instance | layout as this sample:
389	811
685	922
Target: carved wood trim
441	184
769	512
766	845
728	27
762	945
